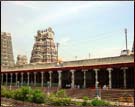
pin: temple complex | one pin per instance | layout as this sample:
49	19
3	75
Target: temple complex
7	58
44	50
114	72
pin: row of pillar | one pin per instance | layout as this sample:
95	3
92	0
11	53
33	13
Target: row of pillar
72	78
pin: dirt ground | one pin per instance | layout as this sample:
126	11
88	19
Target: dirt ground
5	102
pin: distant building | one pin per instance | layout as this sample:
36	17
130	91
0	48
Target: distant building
21	60
44	49
7	58
125	52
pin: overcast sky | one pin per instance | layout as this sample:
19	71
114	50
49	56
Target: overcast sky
81	27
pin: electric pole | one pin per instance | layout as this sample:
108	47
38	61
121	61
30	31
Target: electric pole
126	39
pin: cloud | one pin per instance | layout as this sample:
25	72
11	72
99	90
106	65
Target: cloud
27	4
64	13
58	12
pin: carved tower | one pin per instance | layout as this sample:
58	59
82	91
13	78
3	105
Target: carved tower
7	58
44	49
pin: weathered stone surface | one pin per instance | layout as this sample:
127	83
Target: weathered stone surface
21	60
6	50
88	62
44	49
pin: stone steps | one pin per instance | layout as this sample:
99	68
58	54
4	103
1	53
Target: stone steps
113	94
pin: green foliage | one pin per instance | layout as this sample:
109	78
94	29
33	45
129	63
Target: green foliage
61	94
86	104
59	98
86	98
77	103
23	93
27	94
37	96
85	101
96	102
3	91
6	92
59	101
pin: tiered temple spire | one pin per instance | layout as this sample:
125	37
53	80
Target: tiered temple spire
44	49
7	58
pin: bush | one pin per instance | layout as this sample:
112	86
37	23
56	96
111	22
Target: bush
85	101
23	94
6	92
59	101
61	94
27	94
37	96
77	103
96	102
59	98
86	104
86	98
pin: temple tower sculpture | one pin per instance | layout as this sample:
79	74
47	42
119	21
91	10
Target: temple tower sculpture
7	58
21	60
44	49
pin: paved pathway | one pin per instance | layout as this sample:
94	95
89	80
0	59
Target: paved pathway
112	102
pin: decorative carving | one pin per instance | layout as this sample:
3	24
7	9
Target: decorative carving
7	58
44	45
21	60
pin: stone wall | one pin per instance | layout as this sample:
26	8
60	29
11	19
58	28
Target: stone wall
88	62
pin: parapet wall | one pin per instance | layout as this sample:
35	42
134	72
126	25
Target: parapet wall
87	62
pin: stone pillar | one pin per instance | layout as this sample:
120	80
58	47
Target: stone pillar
11	78
84	78
110	77
59	78
50	78
16	78
2	79
42	79
96	77
6	78
28	78
72	79
35	78
124	74
21	78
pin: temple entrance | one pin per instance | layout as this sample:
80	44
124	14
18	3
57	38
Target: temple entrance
117	78
130	77
103	77
55	79
25	79
66	79
31	79
46	79
14	79
79	79
90	79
